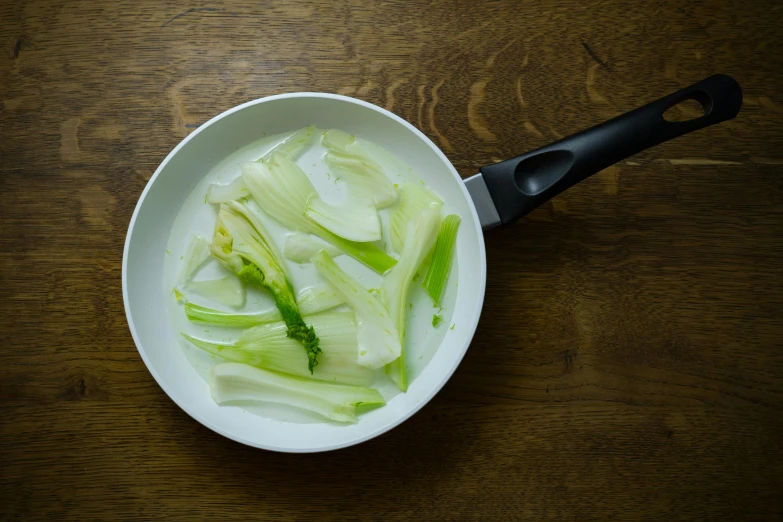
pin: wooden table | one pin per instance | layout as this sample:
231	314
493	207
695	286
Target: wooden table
629	362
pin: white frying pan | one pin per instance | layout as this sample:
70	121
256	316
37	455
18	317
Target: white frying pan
498	195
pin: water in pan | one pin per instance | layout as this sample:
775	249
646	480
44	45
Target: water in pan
198	217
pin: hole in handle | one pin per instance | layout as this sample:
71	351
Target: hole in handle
691	107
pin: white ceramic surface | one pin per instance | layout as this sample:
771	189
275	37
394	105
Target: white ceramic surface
175	179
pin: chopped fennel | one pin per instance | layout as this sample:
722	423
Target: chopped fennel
217	193
338	141
311	300
208	316
364	178
420	238
413	199
342	348
349	161
227	290
440	265
269	347
195	256
355	221
283	197
293	147
243	245
300	247
283	191
378	337
232	382
317	298
296	144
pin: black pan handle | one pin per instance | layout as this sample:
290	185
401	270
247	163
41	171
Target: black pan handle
519	185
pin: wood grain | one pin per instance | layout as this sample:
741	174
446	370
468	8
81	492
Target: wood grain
629	361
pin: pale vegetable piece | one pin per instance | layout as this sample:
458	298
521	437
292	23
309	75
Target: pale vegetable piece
231	382
311	300
247	209
195	256
283	190
379	339
208	316
293	147
413	199
349	160
227	290
300	247
353	220
244	246
440	265
337	140
296	144
217	193
421	235
318	298
269	347
364	179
